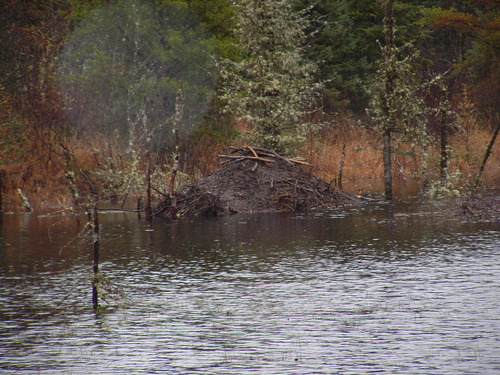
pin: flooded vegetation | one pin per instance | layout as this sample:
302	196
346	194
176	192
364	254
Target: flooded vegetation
353	290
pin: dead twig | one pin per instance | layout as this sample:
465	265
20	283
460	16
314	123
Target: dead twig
258	152
301	162
246	157
253	151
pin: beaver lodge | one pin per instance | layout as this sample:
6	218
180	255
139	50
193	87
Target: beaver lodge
253	179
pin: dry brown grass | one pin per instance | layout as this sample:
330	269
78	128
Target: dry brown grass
201	156
363	167
37	164
34	166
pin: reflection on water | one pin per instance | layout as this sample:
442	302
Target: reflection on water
346	291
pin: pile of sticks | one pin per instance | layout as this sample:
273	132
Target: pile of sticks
257	154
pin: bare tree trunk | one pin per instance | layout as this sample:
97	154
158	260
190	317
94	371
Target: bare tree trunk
487	153
175	167
341	168
95	225
443	134
178	115
1	186
148	186
389	91
148	132
387	164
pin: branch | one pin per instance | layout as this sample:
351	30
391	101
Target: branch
246	157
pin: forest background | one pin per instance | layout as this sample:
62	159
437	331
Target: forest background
79	116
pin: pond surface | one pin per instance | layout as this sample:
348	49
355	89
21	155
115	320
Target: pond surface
349	291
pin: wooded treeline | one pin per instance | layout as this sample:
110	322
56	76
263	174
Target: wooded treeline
86	87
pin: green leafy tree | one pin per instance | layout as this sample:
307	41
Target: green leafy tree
271	86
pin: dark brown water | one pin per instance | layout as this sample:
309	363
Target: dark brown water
343	292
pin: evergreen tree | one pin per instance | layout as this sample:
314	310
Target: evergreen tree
271	86
340	40
397	107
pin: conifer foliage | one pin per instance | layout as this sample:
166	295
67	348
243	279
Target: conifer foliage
271	86
397	106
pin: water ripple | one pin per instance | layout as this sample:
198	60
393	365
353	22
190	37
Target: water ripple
414	300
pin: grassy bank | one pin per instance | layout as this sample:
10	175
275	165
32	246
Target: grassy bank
360	153
39	164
